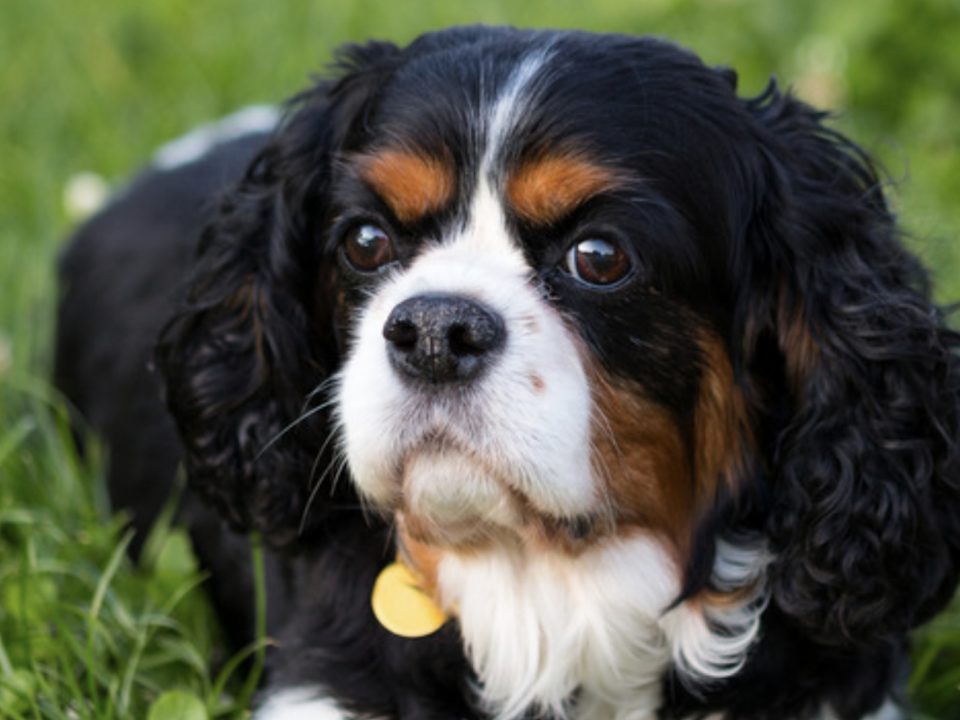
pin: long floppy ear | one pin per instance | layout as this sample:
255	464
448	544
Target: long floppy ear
865	486
256	332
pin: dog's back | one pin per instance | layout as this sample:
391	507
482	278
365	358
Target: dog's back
121	276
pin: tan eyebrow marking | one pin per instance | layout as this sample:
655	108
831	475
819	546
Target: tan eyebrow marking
412	183
548	187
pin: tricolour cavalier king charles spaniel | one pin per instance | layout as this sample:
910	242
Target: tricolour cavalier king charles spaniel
618	394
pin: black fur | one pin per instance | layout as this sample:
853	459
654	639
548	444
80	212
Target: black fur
752	218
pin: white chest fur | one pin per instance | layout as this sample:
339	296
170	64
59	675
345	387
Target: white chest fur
581	637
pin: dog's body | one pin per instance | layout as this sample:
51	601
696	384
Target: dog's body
634	374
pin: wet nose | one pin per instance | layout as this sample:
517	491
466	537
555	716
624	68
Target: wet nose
442	338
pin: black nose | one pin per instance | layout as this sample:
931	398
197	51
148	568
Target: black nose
441	338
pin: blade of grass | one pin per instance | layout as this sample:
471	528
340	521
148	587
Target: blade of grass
24	574
923	664
14	437
260	622
113	564
147	628
5	665
227	671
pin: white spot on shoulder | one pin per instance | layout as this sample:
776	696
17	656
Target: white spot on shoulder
888	711
198	142
84	194
304	703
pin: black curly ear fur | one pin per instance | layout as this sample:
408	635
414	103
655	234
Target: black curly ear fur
255	335
865	517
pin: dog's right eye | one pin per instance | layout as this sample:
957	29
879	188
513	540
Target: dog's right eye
368	248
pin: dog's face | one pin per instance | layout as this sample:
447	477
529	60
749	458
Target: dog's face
570	289
533	299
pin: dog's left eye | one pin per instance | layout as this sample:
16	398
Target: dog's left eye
598	261
368	248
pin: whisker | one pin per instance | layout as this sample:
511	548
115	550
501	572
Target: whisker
321	387
316	487
304	415
340	452
316	461
273	441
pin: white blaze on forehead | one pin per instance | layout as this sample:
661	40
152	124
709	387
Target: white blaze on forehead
486	231
511	102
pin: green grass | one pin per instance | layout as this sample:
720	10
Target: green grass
95	85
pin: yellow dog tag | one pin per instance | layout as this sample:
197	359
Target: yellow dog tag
401	605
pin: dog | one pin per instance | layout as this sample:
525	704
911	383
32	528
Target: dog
629	380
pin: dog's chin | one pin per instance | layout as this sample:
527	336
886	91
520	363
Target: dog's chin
449	498
446	497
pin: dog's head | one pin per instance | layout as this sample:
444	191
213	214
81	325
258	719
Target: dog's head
557	288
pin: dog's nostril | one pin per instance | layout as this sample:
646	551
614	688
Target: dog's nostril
402	333
466	340
442	338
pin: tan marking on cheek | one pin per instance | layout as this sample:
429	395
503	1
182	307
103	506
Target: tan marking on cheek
653	478
413	184
800	349
722	433
549	187
537	383
643	461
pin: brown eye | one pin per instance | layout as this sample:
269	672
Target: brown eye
597	261
368	248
